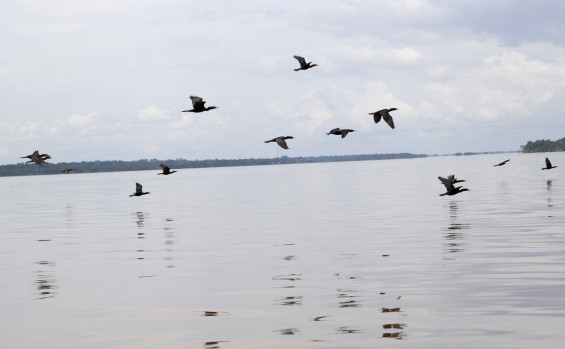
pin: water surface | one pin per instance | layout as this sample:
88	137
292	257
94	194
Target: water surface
329	255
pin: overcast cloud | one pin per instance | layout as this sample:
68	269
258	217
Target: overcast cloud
107	80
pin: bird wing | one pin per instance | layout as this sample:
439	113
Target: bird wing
138	188
344	133
447	182
376	116
301	60
165	168
388	118
197	102
280	141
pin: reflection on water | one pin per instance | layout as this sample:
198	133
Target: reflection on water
214	313
322	256
346	330
288	331
454	231
291	300
169	242
345	299
549	183
139	220
45	280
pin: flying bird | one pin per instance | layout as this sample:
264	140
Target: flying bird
280	141
166	170
384	113
502	163
454	180
548	165
139	190
37	158
451	189
338	131
198	105
303	64
67	170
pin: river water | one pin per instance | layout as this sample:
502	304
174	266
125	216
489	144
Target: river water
330	255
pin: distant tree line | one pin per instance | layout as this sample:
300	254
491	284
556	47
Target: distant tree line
543	145
22	169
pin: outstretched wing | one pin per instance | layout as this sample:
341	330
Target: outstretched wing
388	119
447	182
197	102
376	116
280	141
301	60
138	188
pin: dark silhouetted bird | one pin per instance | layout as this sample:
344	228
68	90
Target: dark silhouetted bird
166	170
451	189
339	131
67	170
502	163
139	190
37	158
303	64
548	165
280	141
384	113
454	180
198	105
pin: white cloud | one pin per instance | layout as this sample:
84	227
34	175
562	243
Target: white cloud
81	120
154	113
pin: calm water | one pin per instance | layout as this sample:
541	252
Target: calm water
335	255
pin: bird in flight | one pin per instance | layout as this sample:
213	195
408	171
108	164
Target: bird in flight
139	190
198	105
340	132
37	158
548	165
166	170
502	163
303	64
384	113
280	141
451	189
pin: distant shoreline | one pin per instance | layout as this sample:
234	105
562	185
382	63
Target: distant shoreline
22	169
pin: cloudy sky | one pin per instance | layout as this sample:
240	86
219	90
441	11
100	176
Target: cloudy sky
108	79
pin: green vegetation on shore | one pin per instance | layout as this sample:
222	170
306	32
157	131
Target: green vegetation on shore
22	169
543	146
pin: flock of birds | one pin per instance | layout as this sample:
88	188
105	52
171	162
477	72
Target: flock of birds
450	181
198	106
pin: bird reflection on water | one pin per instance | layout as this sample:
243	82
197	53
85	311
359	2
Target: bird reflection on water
45	280
213	344
346	300
140	218
454	231
288	331
169	242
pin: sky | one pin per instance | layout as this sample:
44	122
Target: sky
108	79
